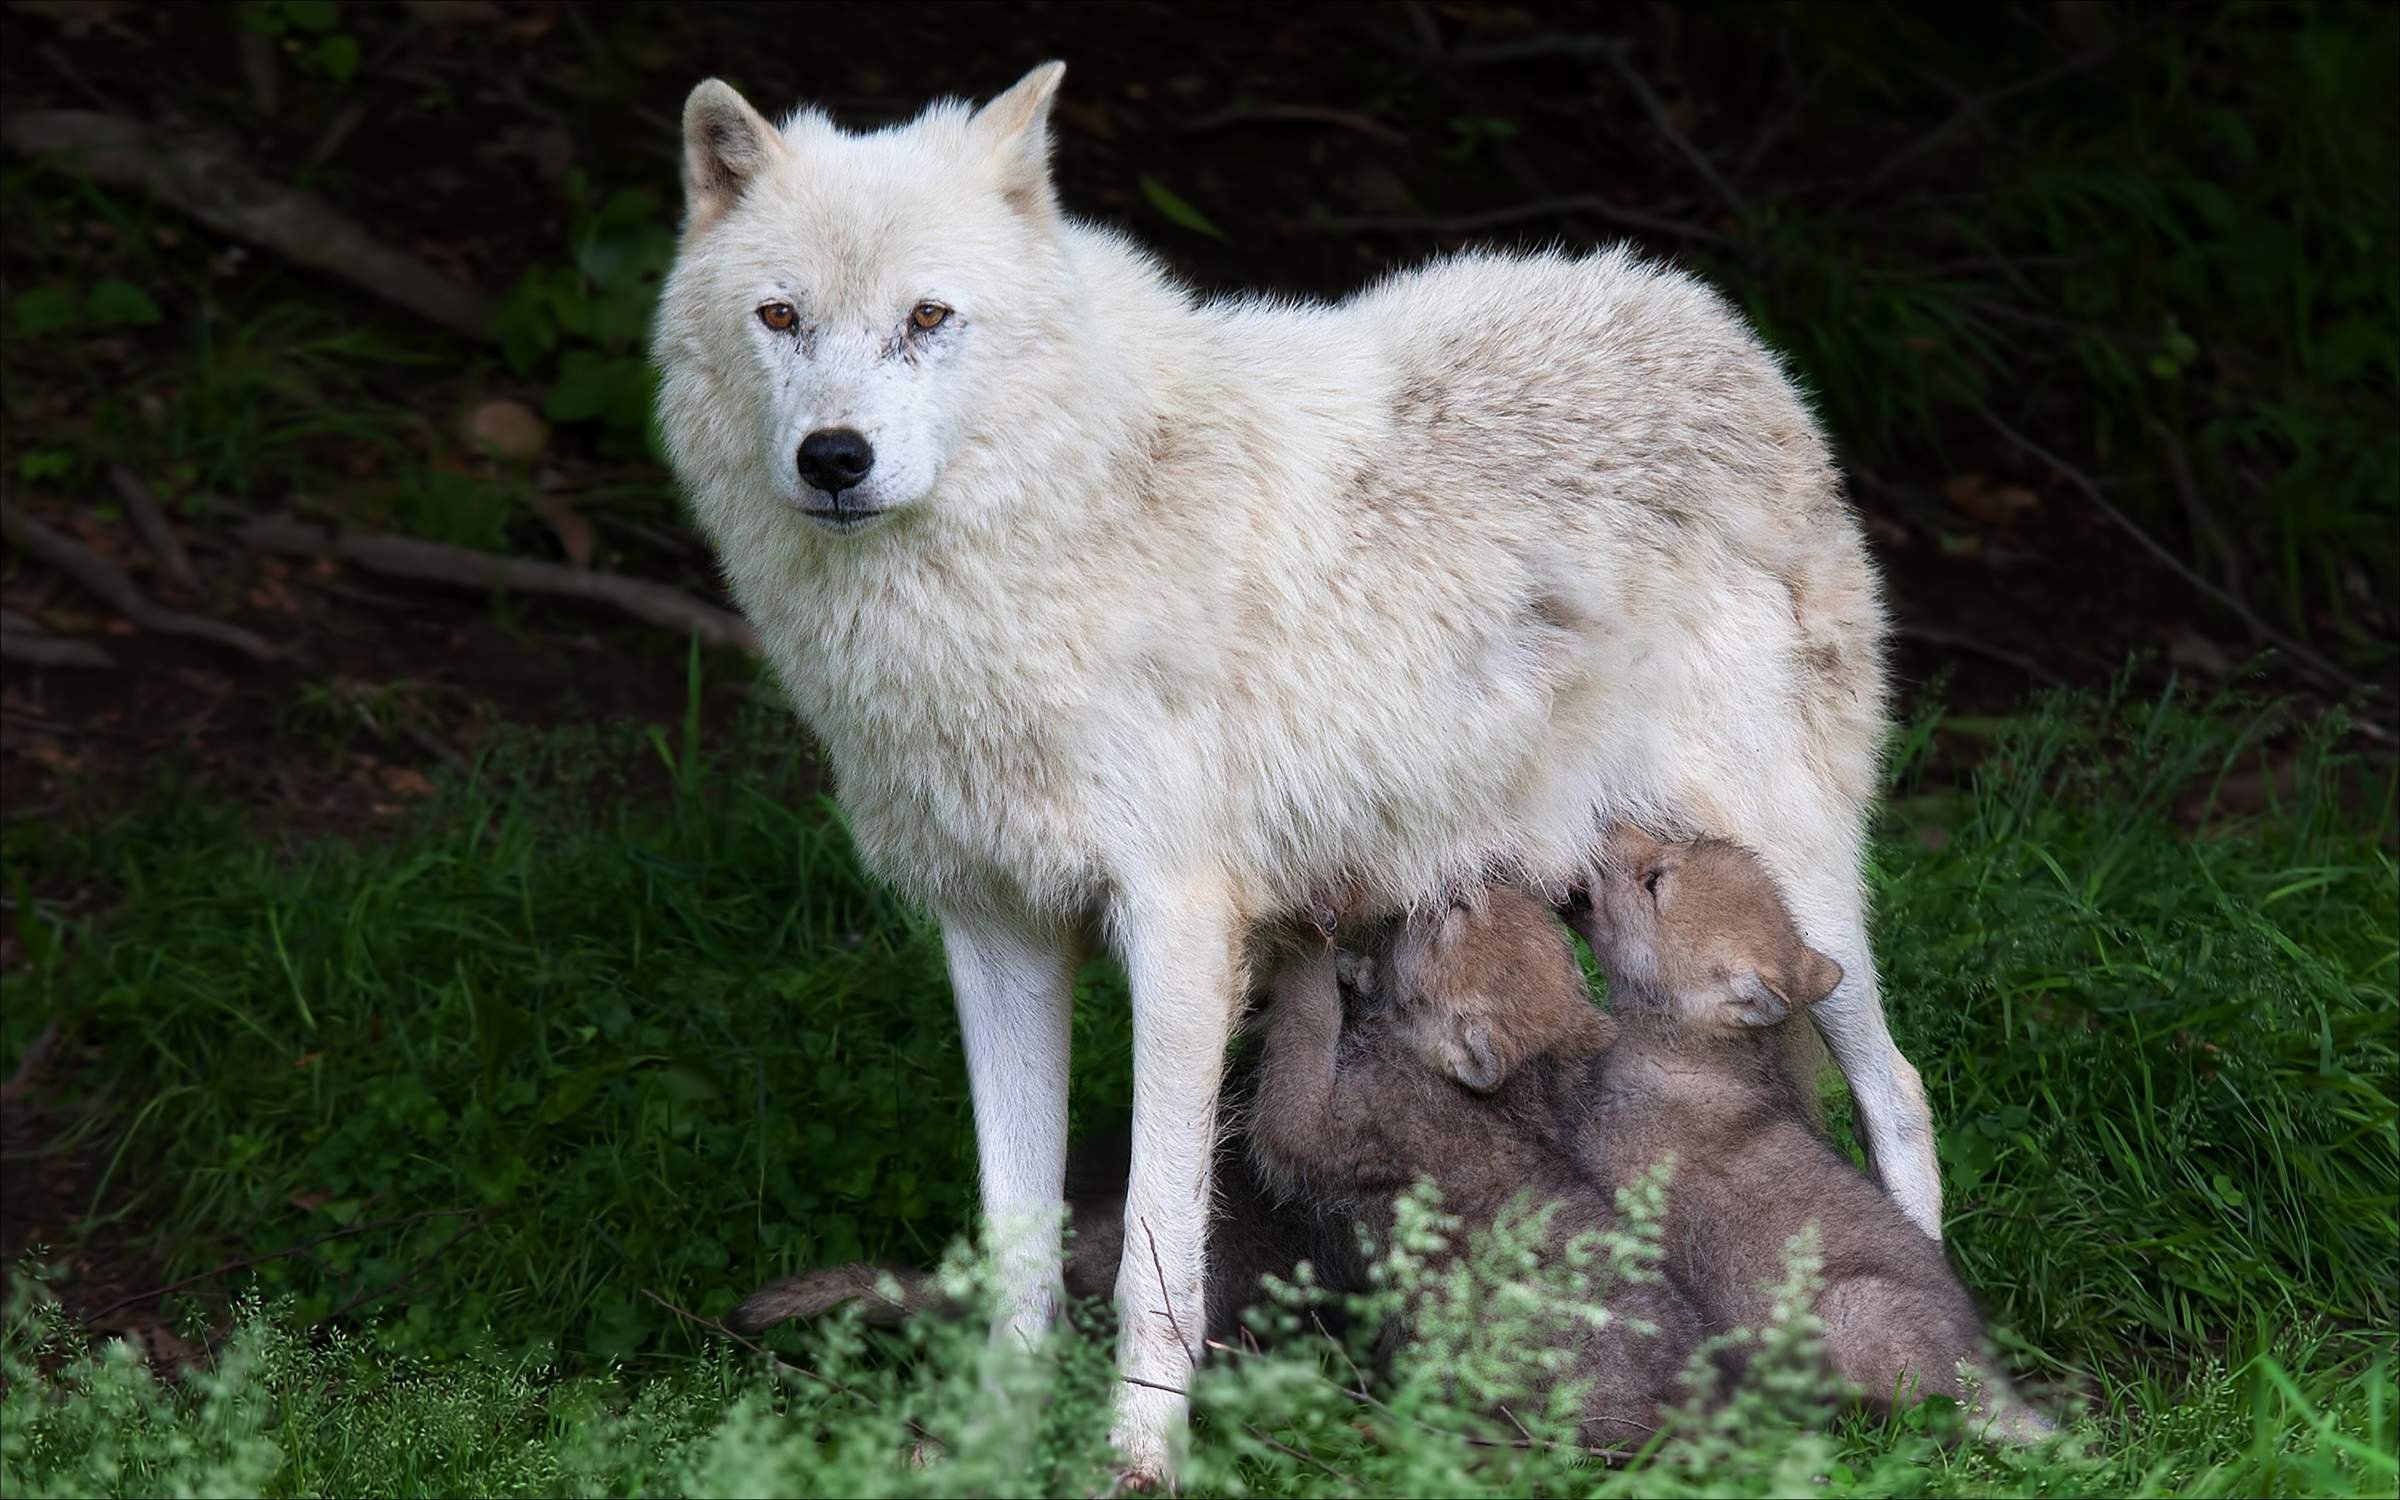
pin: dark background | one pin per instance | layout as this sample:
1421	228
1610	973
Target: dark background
2098	302
2156	241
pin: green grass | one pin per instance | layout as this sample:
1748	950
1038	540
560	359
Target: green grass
679	1044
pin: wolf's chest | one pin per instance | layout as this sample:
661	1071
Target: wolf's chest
957	750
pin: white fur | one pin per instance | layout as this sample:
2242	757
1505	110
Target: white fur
1181	614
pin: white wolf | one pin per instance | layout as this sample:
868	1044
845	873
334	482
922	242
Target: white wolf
1127	617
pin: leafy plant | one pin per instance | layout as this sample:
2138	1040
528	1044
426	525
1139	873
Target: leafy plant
584	323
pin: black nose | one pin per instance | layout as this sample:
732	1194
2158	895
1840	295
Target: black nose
834	458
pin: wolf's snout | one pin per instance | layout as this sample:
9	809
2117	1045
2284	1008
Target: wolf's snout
833	459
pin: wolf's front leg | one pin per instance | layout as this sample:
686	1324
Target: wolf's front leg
1181	945
1014	984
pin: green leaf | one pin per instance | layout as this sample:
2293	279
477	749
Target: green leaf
1160	197
43	309
46	463
116	304
593	385
337	57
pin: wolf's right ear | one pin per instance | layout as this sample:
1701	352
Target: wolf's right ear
726	144
1015	128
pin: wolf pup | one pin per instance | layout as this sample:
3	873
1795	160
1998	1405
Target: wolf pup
1122	616
1465	1057
1703	962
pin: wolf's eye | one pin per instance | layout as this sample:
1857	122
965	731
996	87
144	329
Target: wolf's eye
927	316
1650	884
779	316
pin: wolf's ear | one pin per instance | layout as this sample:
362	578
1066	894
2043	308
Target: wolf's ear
726	143
1015	129
1472	1059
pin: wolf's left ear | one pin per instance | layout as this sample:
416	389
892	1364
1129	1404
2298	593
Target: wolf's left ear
1015	128
726	144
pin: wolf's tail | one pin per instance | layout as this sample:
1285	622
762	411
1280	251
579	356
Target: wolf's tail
887	1294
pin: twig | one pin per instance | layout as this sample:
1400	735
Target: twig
782	1365
1771	134
2204	521
151	524
1656	109
305	1245
59	64
337	133
259	71
1152	1385
1533	48
1307	1458
1547	208
413	1272
2325	668
1428	53
23	641
1967	113
434	562
1953	641
1297	114
206	180
107	580
1190	1354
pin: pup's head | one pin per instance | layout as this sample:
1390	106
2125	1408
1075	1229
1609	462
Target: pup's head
837	299
1698	931
1481	987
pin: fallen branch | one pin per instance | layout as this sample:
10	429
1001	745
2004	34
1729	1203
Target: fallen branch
23	641
204	179
435	562
151	524
107	580
2322	666
1298	114
1656	109
1969	111
1950	640
1547	208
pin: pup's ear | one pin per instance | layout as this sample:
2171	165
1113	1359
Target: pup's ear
1762	997
1015	128
1819	976
726	144
1472	1059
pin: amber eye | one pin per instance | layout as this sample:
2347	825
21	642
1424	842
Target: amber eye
929	316
779	316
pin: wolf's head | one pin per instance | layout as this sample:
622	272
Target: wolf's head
838	301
